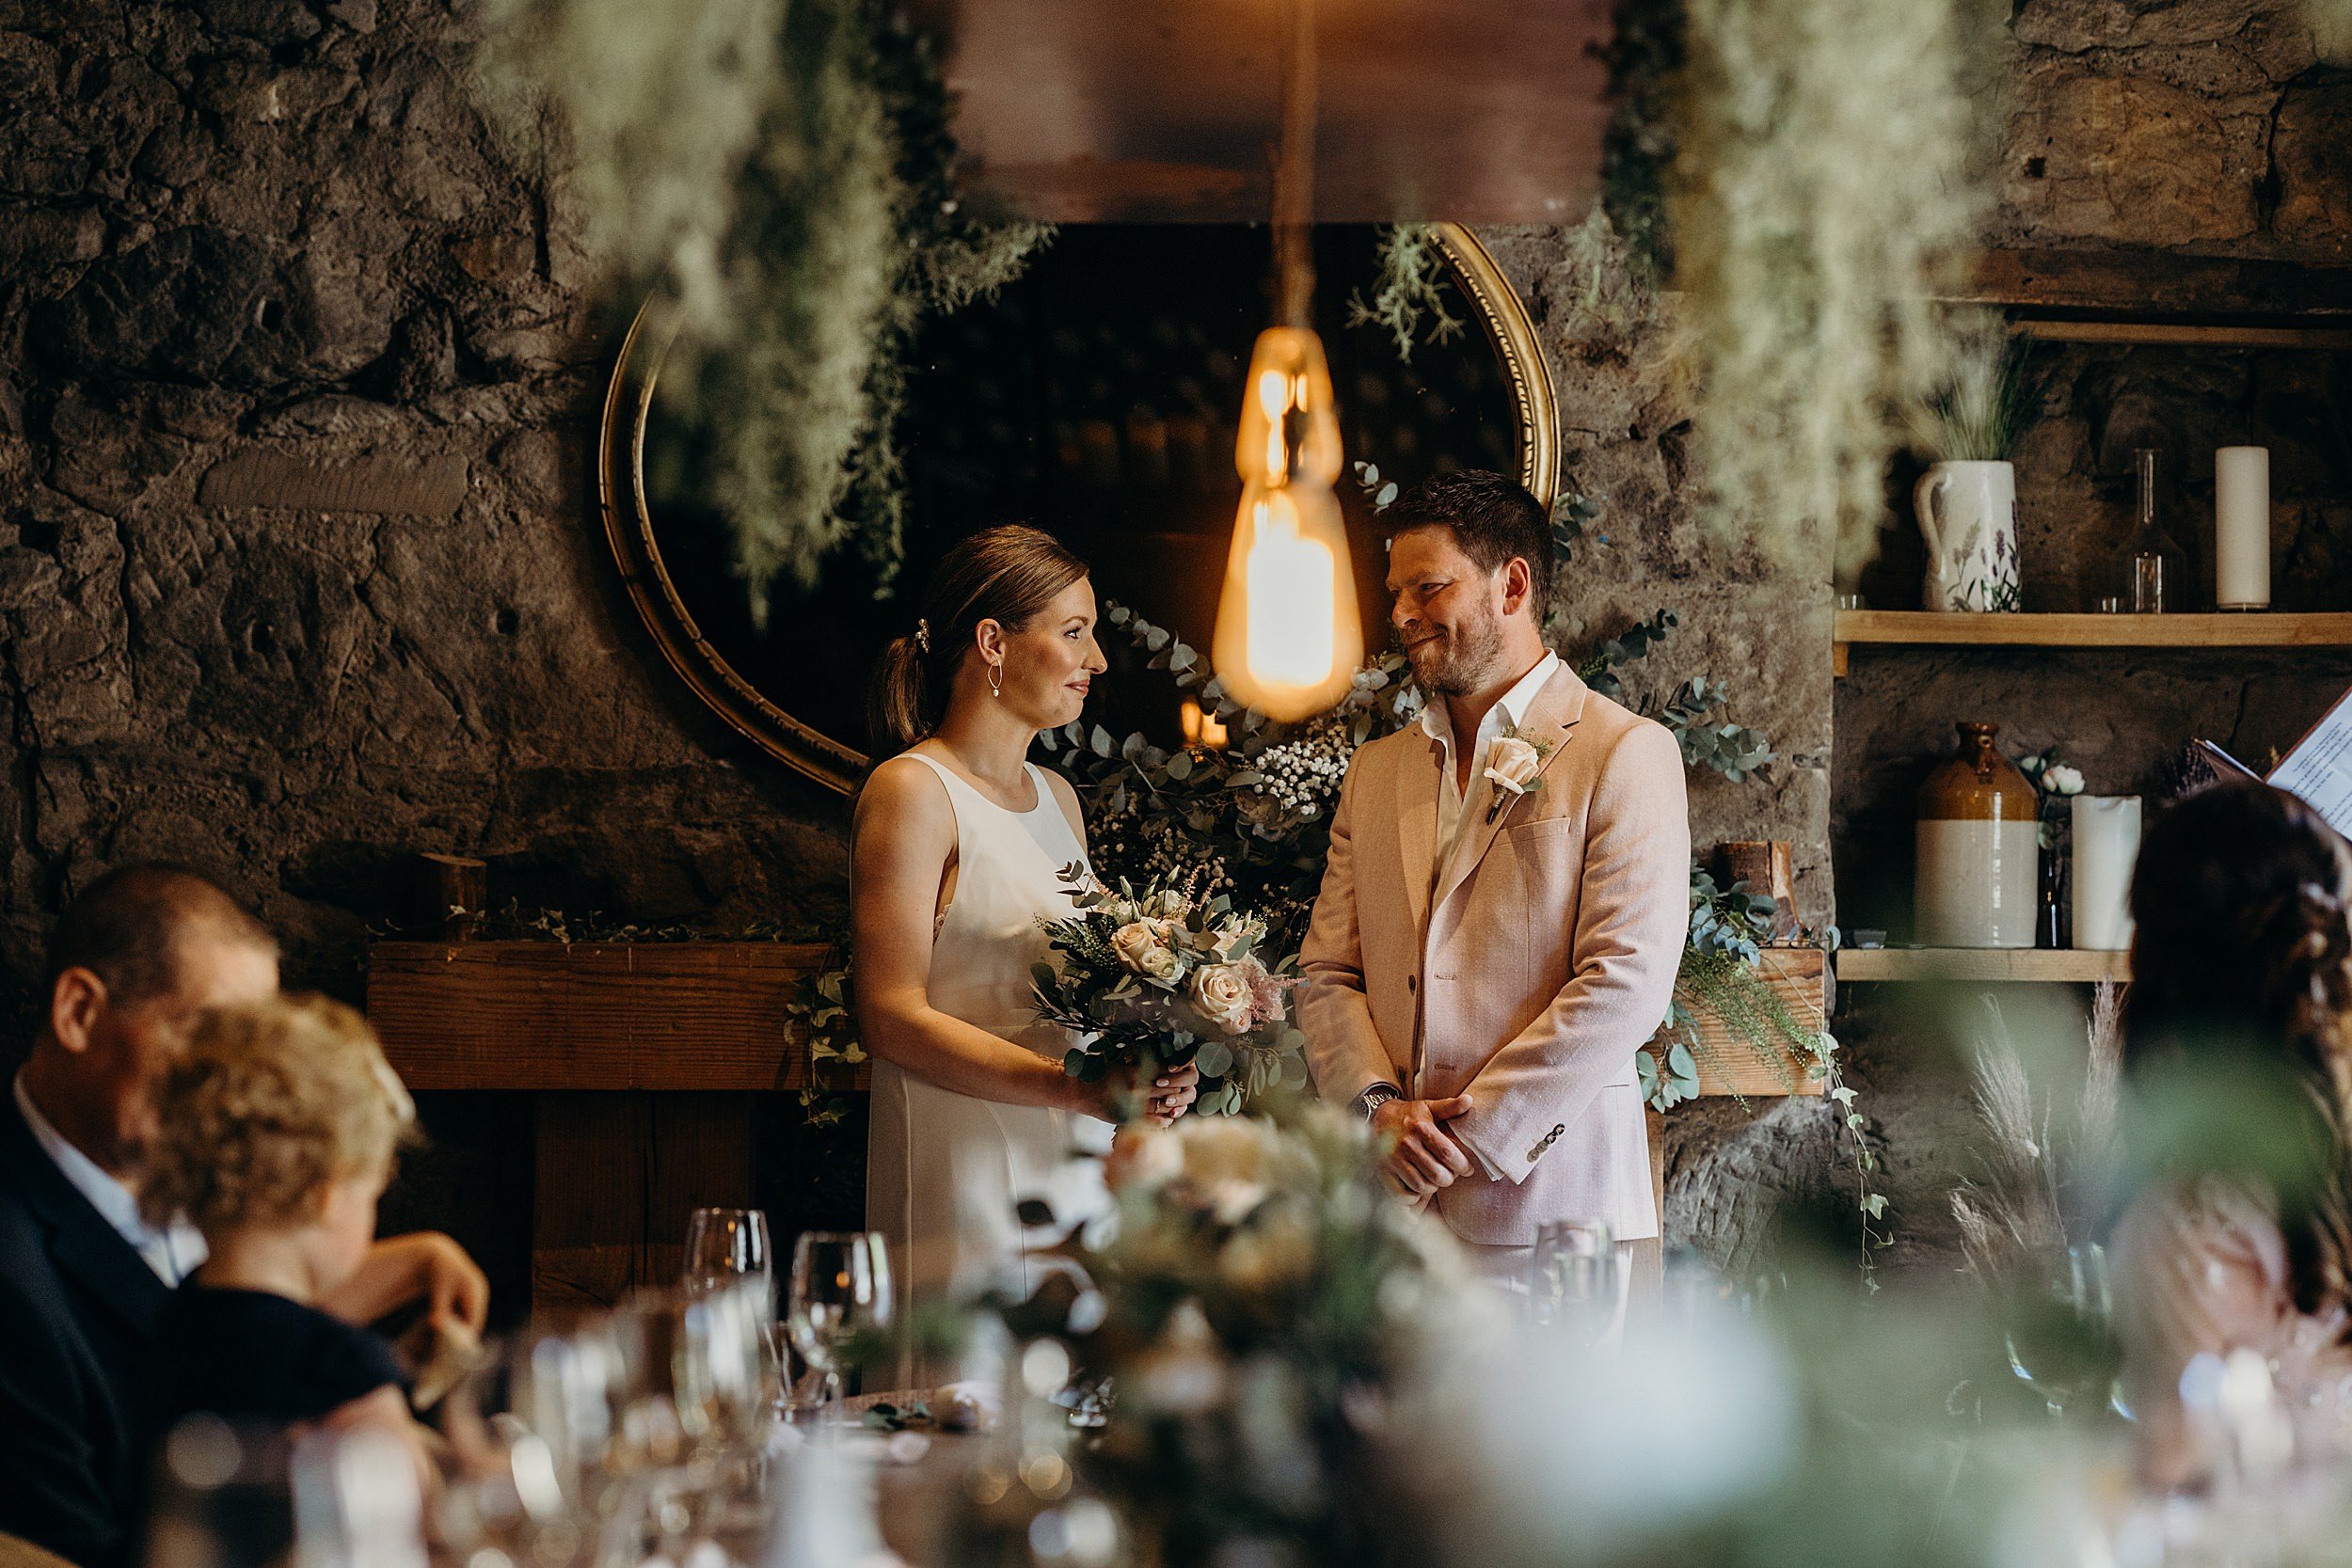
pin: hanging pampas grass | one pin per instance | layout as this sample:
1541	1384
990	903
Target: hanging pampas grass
1821	186
784	171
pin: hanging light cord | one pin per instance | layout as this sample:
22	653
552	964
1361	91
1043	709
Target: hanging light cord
1295	166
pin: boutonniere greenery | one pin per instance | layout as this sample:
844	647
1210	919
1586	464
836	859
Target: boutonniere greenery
1514	766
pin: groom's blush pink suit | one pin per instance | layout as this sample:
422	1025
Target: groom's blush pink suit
1526	972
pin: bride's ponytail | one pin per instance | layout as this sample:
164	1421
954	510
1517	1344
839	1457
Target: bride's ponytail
1005	575
894	702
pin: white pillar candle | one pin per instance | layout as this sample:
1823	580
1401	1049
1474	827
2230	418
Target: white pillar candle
2241	525
2107	842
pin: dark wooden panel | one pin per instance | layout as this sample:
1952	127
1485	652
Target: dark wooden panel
588	1205
1478	111
701	1157
543	1015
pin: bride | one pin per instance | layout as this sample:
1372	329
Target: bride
958	847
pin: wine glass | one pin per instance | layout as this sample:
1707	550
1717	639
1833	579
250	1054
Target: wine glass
727	1246
840	1289
1573	1279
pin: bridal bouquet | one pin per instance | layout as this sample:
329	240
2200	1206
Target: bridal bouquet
1153	979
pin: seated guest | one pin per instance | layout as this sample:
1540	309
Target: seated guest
134	959
2242	966
276	1136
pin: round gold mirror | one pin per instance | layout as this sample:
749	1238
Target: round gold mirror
1096	397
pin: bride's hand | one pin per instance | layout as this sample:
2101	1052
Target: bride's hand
1171	1094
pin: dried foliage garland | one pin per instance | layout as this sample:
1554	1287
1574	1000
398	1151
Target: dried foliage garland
1803	174
787	170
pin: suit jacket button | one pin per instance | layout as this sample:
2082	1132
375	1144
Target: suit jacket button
1412	982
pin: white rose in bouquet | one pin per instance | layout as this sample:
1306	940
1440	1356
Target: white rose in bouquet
1143	1158
1147	947
2063	780
1225	995
1229	1162
1512	763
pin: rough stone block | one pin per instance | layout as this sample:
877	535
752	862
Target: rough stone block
2128	159
2312	150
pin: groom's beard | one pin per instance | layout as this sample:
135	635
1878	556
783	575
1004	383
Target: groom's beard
1460	659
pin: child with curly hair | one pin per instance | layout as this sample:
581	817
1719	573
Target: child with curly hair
278	1131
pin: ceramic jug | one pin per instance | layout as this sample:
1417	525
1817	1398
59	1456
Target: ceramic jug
1968	515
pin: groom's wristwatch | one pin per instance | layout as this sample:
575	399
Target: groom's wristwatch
1375	1097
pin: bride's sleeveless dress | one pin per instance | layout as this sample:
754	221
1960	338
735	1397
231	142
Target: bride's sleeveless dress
944	1170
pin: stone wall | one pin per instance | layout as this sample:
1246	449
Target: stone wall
2205	127
299	573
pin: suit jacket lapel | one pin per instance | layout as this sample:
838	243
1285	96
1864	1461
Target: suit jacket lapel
1551	720
1416	823
81	1242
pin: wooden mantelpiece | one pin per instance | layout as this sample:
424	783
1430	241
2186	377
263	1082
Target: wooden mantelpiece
642	1058
667	1016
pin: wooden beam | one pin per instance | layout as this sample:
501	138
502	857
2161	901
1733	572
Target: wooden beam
1471	111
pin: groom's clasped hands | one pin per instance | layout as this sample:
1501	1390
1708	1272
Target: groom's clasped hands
1419	1155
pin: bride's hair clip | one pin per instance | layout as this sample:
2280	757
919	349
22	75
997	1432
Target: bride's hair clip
923	635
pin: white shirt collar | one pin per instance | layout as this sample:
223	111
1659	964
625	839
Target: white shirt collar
172	1252
1438	726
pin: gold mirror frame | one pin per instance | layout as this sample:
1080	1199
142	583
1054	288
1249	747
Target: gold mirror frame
628	522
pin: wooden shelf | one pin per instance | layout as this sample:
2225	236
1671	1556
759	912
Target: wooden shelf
2160	290
2187	334
2000	964
2211	629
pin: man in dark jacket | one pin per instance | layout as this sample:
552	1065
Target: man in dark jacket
134	960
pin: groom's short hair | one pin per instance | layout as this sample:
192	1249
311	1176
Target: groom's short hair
1493	517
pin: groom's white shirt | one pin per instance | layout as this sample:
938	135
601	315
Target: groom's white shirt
1436	721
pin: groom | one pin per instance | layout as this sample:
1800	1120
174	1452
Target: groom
1504	907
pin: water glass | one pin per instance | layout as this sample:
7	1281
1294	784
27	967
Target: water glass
1573	1278
358	1501
840	1291
725	1246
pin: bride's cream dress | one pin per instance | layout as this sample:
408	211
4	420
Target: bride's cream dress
944	1170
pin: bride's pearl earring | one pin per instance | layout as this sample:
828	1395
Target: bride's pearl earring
995	680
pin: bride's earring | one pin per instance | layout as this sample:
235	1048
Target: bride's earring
996	680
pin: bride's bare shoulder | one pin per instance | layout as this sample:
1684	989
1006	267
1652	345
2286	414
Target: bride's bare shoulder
904	791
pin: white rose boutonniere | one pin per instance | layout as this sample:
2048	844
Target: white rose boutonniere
1513	764
1144	949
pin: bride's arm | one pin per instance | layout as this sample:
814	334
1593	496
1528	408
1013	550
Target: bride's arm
904	834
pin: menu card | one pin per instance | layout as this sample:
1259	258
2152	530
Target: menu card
2319	768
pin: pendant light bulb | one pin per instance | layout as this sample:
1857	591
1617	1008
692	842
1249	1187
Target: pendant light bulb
1288	634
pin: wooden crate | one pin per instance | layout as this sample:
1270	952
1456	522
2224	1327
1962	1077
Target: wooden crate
1799	976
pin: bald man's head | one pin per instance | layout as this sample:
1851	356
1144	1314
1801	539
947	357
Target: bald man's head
134	959
128	928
